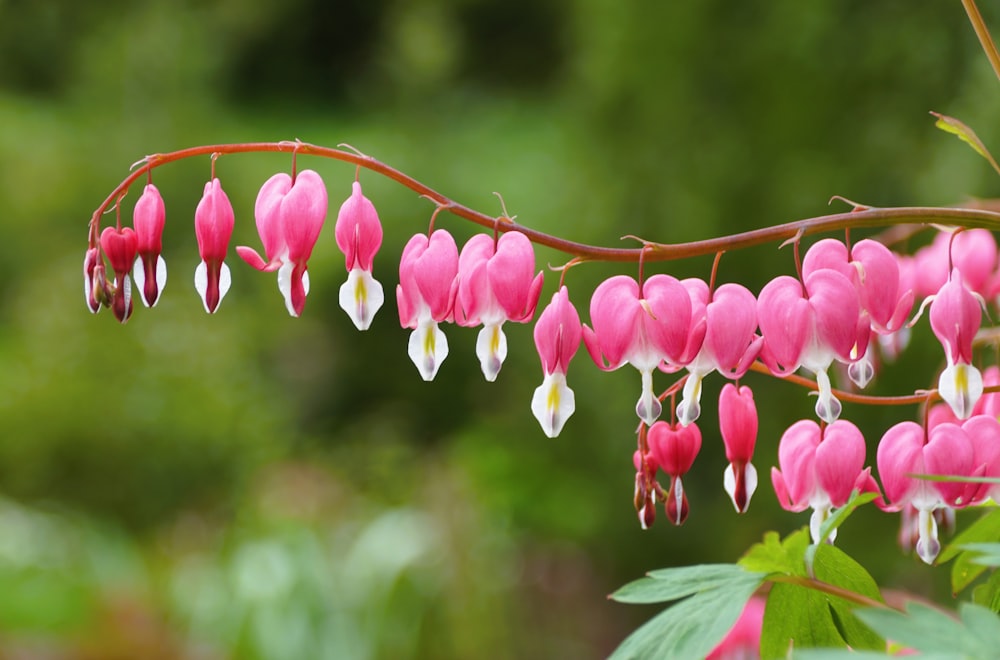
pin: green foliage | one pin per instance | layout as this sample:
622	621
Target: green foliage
975	635
968	552
966	135
714	597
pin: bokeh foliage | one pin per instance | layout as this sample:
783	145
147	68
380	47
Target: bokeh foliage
249	483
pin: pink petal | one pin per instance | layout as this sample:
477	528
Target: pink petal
785	319
840	457
303	210
797	458
900	452
738	422
267	212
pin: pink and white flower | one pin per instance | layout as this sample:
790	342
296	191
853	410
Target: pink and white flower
738	425
557	337
150	271
289	216
425	297
496	284
674	448
642	327
956	314
812	325
359	236
120	246
213	226
820	468
730	345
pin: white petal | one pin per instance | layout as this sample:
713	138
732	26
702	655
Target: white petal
139	275
750	481
928	545
201	284
428	348
861	372
828	407
648	407
819	515
961	385
361	297
553	403
491	349
689	409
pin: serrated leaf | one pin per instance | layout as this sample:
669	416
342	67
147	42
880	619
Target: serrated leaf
986	529
692	627
773	555
965	134
931	631
673	583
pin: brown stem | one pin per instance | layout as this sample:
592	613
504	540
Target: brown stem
984	34
832	589
584	252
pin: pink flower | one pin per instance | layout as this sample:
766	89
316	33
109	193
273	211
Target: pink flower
94	280
289	216
647	489
359	236
743	640
557	337
738	425
730	345
120	246
810	326
973	252
906	449
496	284
148	219
642	327
213	225
674	449
956	314
425	297
820	468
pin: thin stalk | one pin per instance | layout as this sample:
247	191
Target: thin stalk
649	252
985	40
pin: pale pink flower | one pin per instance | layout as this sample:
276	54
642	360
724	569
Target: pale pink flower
359	237
955	314
557	337
425	297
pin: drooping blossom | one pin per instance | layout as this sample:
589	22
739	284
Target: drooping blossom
811	325
742	642
150	271
642	327
557	337
972	251
730	345
289	217
425	297
955	315
907	449
359	236
120	245
820	468
94	280
213	226
647	488
497	283
738	425
674	448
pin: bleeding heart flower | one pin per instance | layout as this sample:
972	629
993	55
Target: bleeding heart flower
425	297
213	225
148	219
120	246
557	337
674	449
738	425
289	216
359	237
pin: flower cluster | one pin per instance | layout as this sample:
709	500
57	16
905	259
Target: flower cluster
846	310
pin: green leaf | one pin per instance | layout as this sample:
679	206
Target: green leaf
692	627
965	570
975	635
965	134
984	554
799	616
835	521
988	593
673	583
773	555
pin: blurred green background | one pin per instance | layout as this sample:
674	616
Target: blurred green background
251	485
